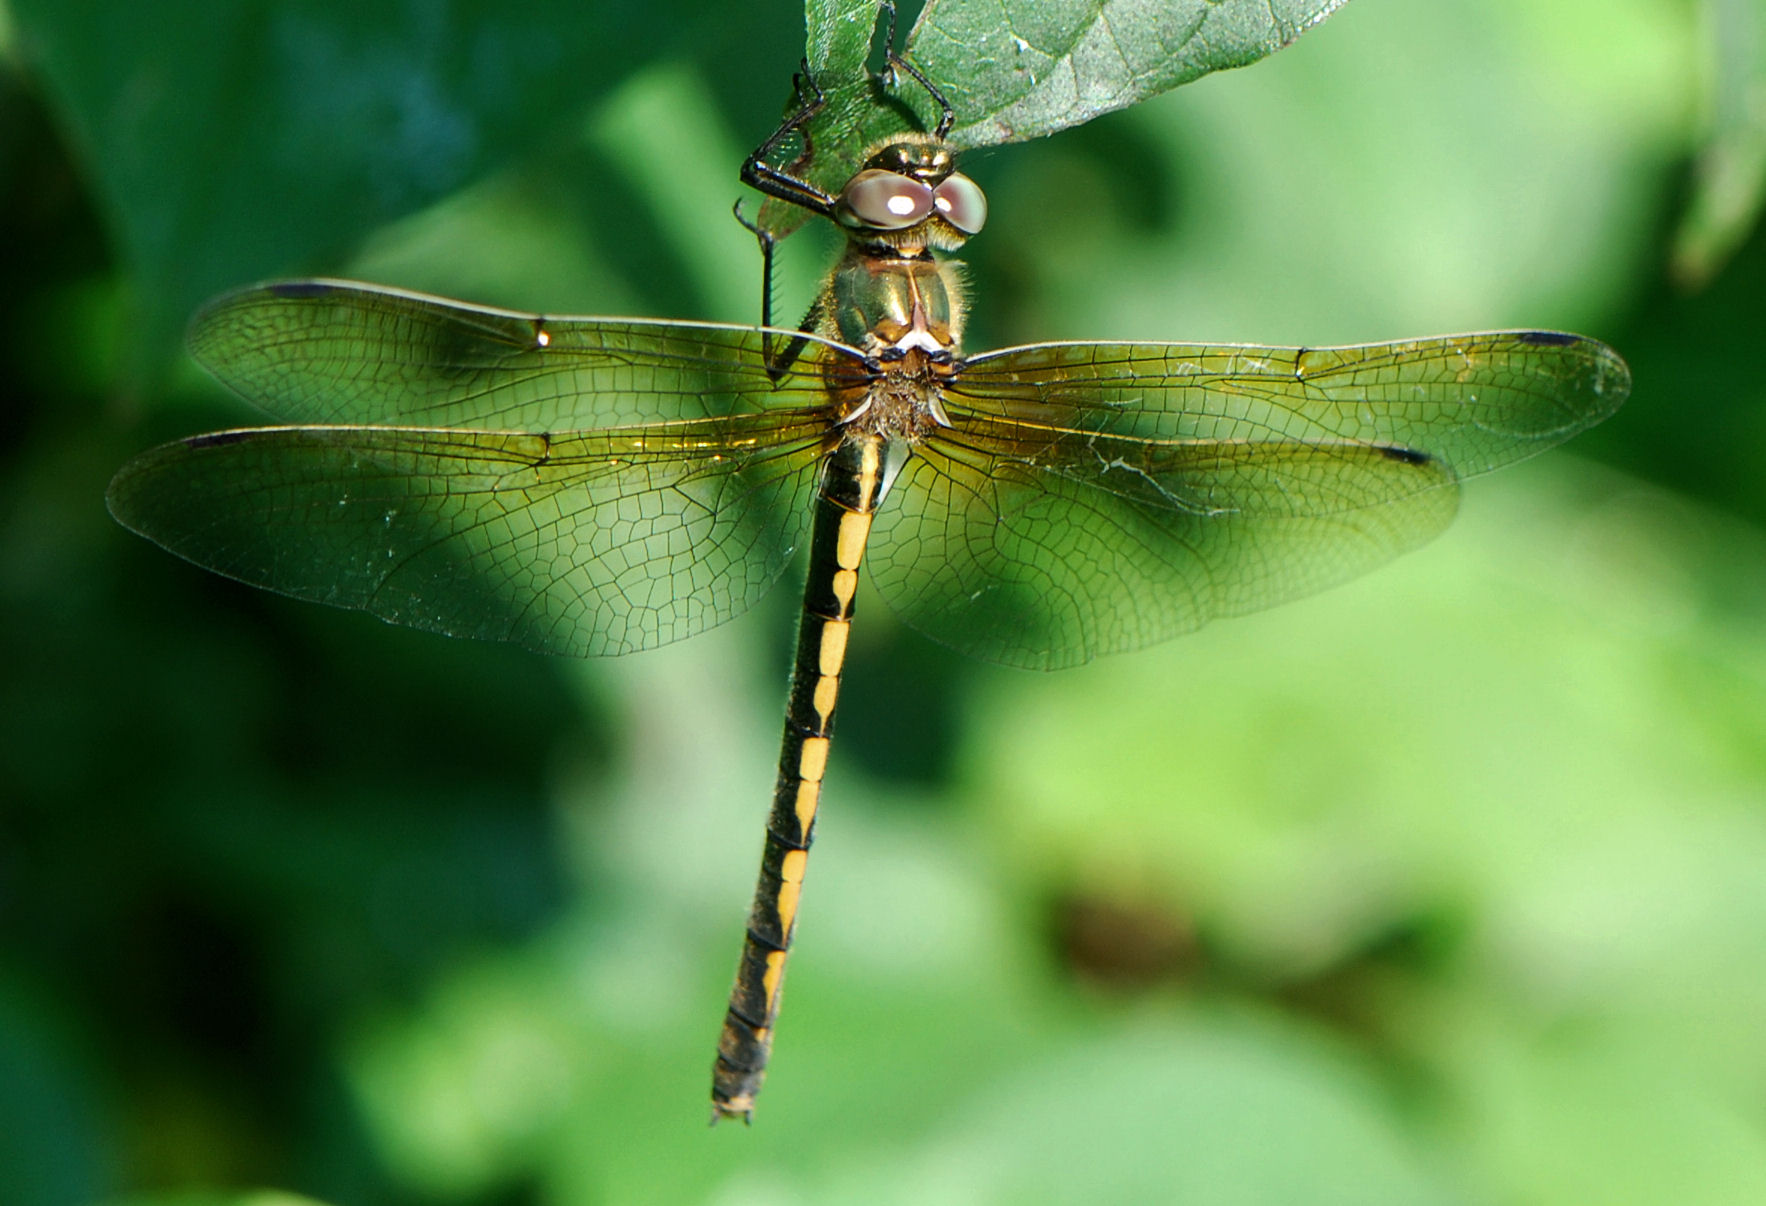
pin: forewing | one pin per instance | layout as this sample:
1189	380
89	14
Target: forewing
1472	402
338	352
584	543
1095	498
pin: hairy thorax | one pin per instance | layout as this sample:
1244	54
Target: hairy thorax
903	310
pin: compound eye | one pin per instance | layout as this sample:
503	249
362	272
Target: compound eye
962	203
885	200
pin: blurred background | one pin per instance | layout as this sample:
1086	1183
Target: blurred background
1444	887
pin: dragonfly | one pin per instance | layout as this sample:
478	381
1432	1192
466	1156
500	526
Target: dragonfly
599	486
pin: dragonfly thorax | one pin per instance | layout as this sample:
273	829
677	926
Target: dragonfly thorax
905	315
889	298
884	304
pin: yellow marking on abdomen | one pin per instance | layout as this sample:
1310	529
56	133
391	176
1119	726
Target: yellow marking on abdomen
769	981
833	653
790	888
827	694
849	544
812	762
809	796
845	586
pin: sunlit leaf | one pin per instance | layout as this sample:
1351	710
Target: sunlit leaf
1019	69
1024	68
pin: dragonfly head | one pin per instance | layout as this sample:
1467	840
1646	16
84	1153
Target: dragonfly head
909	194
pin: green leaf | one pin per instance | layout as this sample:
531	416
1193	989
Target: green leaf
839	36
237	139
836	49
1019	69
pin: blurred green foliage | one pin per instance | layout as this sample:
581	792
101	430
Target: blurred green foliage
1443	887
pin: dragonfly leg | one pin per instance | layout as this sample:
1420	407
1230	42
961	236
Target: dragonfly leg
769	242
784	183
851	486
898	63
779	359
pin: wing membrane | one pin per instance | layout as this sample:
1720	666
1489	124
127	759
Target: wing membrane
1039	548
598	542
338	352
1097	497
1472	402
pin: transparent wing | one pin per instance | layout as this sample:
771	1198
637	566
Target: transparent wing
1474	402
584	543
1095	498
1043	550
339	352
